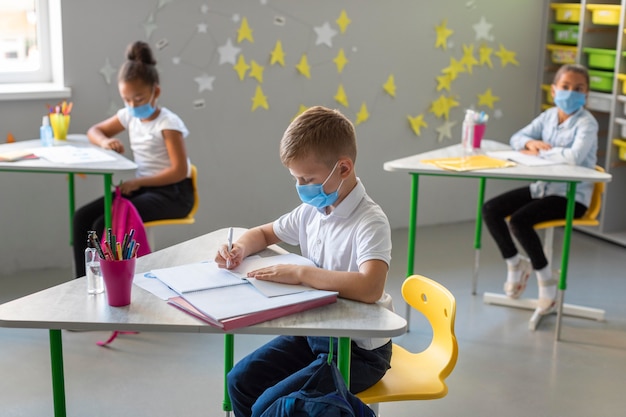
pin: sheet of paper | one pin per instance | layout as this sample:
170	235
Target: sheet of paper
196	276
68	154
237	300
256	262
275	289
528	160
268	288
149	282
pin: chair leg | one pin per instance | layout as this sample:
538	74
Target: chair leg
548	244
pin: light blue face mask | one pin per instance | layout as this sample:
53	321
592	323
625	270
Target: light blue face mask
142	112
569	101
314	194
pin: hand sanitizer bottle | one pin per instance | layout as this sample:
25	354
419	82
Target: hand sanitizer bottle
467	136
45	132
95	283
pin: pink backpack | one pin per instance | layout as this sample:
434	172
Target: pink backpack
124	217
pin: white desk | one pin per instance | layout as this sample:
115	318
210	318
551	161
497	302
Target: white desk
120	164
562	173
67	306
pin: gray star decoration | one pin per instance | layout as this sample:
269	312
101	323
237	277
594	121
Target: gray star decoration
205	82
107	71
325	34
228	53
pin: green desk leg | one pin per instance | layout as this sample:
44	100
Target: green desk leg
229	347
343	358
410	265
72	205
58	383
478	232
108	181
567	236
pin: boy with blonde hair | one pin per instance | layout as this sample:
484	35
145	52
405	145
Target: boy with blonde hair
344	232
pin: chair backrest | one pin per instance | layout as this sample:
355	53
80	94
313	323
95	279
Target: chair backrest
596	199
438	305
196	197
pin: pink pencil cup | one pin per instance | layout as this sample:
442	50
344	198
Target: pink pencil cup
118	280
479	131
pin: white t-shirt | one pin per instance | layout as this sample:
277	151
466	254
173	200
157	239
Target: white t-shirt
147	143
357	230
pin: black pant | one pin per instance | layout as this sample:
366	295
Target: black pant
525	212
153	203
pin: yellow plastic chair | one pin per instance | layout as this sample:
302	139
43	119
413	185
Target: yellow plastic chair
590	218
421	376
189	219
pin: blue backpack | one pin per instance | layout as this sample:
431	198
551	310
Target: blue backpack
324	395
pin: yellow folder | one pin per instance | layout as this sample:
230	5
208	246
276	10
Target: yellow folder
469	163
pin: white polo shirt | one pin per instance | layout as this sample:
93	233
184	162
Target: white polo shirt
357	230
147	143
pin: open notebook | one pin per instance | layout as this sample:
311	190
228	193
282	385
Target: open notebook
227	299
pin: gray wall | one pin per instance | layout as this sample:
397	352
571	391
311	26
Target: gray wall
242	182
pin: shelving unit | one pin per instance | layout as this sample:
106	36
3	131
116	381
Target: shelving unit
592	33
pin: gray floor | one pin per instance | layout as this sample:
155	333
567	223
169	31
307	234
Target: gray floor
502	365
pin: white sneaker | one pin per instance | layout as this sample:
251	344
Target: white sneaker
513	289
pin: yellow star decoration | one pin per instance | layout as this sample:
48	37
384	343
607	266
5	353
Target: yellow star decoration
303	67
390	86
442	35
454	68
506	56
341	96
484	53
340	60
241	67
362	115
278	55
259	99
487	99
444	81
468	57
256	71
417	123
343	21
244	32
441	106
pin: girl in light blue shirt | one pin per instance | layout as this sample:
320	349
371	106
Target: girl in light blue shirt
567	133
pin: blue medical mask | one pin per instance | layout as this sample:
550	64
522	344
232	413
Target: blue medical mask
569	101
314	194
142	112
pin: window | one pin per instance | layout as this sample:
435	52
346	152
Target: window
31	49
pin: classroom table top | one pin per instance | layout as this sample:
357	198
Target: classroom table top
119	163
562	172
68	306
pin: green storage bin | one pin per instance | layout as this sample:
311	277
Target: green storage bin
601	81
567	34
600	58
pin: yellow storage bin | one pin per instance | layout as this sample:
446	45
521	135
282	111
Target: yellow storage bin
547	88
566	12
621	147
622	78
562	54
605	14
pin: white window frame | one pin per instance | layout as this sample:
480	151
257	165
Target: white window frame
50	32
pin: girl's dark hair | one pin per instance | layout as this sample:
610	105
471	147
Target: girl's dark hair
577	68
140	65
